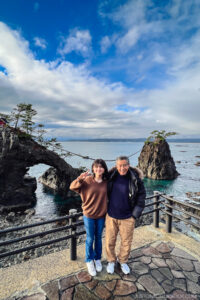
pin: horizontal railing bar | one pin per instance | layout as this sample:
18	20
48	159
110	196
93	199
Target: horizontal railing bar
183	211
156	202
180	218
150	197
23	238
35	246
148	212
39	223
182	203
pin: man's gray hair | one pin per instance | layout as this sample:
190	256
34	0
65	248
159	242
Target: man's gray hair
123	158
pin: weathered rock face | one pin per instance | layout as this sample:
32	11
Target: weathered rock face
17	154
156	162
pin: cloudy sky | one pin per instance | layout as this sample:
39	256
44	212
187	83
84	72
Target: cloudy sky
103	69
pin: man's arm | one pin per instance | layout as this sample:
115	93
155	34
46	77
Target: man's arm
140	199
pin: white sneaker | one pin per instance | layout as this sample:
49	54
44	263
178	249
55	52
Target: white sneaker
110	267
125	268
98	265
91	268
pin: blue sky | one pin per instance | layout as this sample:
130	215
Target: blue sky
103	69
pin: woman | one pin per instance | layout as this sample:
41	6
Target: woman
93	191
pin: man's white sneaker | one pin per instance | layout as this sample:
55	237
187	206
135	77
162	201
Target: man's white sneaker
125	268
110	267
91	268
98	265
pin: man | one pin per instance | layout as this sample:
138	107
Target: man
126	194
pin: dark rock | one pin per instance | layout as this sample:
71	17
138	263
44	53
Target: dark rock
17	155
156	162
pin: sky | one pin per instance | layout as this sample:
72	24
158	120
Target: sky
103	68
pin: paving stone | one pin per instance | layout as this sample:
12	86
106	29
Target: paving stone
140	287
150	251
166	255
82	293
166	272
123	298
197	266
192	276
129	277
178	274
68	282
172	264
167	285
180	283
141	295
91	284
136	253
185	264
102	292
159	262
181	253
163	248
181	295
111	285
139	268
153	266
193	287
83	276
52	290
157	275
67	294
103	275
145	259
151	285
170	245
124	288
38	296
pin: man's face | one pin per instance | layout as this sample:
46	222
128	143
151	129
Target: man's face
122	167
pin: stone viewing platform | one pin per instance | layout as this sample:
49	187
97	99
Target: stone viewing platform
163	266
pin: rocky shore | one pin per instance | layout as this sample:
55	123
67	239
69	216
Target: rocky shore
14	219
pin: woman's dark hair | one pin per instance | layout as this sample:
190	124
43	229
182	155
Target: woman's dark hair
101	162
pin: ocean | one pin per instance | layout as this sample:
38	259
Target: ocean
185	156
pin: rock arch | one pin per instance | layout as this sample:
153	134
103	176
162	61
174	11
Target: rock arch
17	154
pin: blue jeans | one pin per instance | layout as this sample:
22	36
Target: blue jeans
93	243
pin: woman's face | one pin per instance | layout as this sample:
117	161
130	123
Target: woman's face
98	170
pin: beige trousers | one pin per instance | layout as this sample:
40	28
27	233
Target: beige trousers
125	228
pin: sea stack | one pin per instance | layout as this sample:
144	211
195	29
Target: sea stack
156	162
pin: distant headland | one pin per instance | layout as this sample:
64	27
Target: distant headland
127	140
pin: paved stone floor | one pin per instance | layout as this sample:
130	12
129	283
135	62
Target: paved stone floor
158	271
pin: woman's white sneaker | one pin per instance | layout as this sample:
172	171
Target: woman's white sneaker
98	265
91	268
110	267
125	268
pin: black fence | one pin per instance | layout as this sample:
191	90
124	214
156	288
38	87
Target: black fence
161	202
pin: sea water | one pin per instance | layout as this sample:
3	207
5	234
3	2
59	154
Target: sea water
185	156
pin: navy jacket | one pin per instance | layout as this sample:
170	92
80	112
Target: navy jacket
137	193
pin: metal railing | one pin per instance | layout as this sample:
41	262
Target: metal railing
158	199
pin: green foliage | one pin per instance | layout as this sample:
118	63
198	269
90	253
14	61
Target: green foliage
157	136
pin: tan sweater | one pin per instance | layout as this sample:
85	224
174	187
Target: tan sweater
93	195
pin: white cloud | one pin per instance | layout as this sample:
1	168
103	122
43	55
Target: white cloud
78	41
73	103
105	44
39	42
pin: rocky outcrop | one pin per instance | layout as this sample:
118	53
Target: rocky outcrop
17	154
156	162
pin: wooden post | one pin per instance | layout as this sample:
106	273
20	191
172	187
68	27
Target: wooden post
155	206
73	252
168	217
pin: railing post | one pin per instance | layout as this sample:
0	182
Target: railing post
168	217
155	206
73	254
